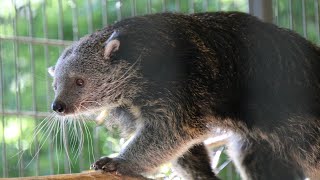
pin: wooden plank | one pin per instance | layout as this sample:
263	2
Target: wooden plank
88	175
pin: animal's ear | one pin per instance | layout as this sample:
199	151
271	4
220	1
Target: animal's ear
111	45
51	70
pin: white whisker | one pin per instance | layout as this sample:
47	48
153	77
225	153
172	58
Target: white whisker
51	124
89	139
65	143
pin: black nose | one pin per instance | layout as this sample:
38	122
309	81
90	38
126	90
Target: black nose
59	107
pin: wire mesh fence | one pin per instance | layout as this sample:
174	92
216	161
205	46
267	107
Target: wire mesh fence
300	16
32	35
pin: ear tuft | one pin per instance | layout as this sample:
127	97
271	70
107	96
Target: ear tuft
51	70
111	46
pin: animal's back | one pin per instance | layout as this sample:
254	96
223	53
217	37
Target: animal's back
261	65
275	92
258	74
173	77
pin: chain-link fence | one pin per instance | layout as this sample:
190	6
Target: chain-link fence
32	35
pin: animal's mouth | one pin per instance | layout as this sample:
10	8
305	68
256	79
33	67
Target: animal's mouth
75	114
67	113
85	109
97	114
73	111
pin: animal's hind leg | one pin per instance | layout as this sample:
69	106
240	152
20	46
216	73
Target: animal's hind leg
257	161
194	164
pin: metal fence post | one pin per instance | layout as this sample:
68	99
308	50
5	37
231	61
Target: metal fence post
261	9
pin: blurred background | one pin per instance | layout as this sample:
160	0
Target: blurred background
32	35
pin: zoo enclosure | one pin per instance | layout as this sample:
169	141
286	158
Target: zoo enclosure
34	32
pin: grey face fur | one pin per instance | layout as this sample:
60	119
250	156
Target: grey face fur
88	61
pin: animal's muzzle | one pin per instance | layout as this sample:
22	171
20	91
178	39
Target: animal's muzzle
58	107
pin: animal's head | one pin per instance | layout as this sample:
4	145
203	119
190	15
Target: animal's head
91	75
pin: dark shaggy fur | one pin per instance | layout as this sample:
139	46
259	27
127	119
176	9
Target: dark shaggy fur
175	78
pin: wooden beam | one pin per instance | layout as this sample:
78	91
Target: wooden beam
88	175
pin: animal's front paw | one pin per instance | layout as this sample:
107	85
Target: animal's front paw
106	164
117	165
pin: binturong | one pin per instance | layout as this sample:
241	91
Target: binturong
171	80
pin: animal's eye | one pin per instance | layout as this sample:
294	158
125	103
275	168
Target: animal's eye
80	82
